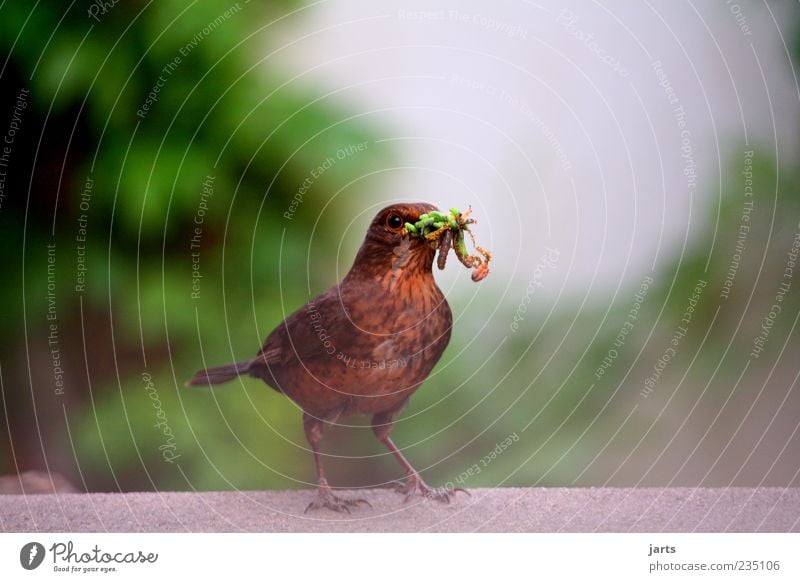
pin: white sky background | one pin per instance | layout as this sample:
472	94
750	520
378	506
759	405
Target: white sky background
474	95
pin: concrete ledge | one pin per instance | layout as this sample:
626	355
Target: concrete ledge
487	510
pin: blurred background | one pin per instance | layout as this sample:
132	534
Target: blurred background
176	178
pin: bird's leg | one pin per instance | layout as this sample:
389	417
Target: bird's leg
382	427
313	429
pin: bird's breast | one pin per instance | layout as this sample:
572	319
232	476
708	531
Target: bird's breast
386	342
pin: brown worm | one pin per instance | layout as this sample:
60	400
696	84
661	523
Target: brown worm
445	242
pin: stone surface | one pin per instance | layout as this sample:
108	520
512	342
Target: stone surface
486	510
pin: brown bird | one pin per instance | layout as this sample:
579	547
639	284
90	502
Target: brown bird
361	347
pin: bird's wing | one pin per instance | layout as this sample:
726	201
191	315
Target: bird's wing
308	333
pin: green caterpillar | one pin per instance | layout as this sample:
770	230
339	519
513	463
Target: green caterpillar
433	221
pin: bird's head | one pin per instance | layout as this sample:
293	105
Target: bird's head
389	247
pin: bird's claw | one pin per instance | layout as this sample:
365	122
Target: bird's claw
415	485
326	498
398	485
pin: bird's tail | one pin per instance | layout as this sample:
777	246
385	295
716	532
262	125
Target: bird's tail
219	374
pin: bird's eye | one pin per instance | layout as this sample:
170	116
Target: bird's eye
394	221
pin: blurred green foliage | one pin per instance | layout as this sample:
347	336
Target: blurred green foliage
584	424
131	108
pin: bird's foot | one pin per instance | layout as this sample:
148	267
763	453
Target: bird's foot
326	498
414	485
